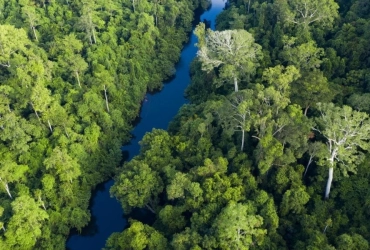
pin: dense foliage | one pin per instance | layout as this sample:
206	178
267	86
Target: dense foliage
280	160
72	77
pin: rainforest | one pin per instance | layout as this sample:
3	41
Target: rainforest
270	152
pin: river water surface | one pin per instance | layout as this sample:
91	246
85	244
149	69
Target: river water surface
157	111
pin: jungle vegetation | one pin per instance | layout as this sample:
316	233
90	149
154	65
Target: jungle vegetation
273	150
73	74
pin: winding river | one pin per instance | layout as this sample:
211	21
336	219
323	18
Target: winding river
157	111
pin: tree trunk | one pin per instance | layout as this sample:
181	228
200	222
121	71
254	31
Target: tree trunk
242	146
7	188
249	4
93	32
51	129
65	130
34	32
308	165
38	117
151	209
78	78
328	184
90	40
106	98
236	84
325	228
305	110
42	203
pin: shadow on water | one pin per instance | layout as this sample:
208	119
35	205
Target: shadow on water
158	109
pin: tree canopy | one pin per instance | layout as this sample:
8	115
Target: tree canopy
252	167
73	75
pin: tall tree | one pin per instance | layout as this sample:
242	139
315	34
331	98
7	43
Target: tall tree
347	133
29	13
40	100
12	41
89	20
11	172
305	12
69	56
233	52
237	112
64	165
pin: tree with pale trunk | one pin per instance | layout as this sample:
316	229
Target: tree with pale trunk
238	112
12	42
11	172
70	58
86	24
63	165
347	133
315	150
306	12
77	66
30	14
89	20
40	101
233	52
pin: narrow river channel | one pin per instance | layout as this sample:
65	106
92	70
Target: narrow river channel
157	111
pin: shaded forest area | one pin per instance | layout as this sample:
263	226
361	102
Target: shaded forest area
273	150
73	74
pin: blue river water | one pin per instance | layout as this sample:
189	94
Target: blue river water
157	111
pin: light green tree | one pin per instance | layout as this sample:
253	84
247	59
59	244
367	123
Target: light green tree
351	242
137	186
11	172
29	13
305	12
12	41
24	227
1	222
69	57
66	167
138	236
233	52
237	112
294	201
346	133
237	227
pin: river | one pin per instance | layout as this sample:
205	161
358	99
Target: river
157	111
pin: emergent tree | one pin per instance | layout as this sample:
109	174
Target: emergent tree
233	52
346	132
